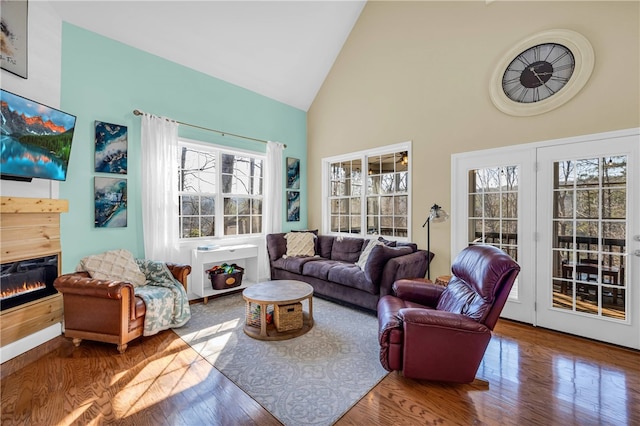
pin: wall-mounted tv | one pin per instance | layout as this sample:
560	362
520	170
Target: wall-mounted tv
35	139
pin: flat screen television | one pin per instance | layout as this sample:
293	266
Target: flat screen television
35	139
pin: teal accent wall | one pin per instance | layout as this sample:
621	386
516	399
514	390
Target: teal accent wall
106	80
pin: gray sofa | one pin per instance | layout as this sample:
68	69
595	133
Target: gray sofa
334	274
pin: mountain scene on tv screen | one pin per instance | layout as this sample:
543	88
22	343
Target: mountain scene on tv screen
35	139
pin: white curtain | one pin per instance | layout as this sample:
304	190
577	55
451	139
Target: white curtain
159	188
272	207
273	188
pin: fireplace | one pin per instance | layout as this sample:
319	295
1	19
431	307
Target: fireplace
23	281
30	240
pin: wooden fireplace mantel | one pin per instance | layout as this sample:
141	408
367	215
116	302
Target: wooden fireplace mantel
29	228
32	205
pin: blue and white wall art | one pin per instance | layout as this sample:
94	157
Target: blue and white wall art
293	206
111	148
111	202
293	173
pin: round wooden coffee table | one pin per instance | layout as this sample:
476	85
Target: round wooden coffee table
277	293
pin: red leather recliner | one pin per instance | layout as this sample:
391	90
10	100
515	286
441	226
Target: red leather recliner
438	333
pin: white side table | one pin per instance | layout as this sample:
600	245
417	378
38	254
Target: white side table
244	255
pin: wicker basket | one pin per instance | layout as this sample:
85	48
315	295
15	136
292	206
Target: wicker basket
288	317
252	315
225	281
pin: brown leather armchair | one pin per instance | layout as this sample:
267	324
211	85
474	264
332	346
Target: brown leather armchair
104	310
438	333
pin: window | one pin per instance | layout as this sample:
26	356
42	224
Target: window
387	194
368	192
220	191
346	196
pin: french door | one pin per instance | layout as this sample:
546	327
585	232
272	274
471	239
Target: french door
588	222
568	211
493	203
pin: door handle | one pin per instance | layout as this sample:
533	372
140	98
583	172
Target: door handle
636	253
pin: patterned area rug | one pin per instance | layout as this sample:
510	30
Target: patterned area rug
309	380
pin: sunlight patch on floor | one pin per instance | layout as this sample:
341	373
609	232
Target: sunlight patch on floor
140	395
117	377
211	348
213	330
74	415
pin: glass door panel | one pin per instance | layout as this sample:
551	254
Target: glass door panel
588	274
588	212
493	202
493	210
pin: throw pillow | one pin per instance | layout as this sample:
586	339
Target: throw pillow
118	265
315	240
346	249
364	256
387	243
379	257
300	244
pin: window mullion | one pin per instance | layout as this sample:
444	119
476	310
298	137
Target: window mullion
363	195
219	197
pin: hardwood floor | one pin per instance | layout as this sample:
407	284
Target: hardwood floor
536	377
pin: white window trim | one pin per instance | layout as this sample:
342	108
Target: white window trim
219	208
326	172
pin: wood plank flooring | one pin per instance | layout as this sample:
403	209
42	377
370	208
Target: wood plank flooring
536	377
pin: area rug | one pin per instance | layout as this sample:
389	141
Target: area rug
312	379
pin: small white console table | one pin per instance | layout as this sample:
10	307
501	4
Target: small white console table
244	255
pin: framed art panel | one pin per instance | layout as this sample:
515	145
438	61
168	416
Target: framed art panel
293	206
293	173
13	56
110	202
111	148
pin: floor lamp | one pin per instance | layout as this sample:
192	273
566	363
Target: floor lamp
436	215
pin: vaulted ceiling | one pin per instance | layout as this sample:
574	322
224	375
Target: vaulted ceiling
280	49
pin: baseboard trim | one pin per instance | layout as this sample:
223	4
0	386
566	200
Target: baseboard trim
19	361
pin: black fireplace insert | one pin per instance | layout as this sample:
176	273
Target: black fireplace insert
23	281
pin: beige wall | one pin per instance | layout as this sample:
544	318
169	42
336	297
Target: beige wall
420	71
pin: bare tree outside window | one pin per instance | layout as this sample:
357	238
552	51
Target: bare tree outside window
493	205
237	185
196	206
242	180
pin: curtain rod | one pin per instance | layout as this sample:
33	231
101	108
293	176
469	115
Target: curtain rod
138	112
